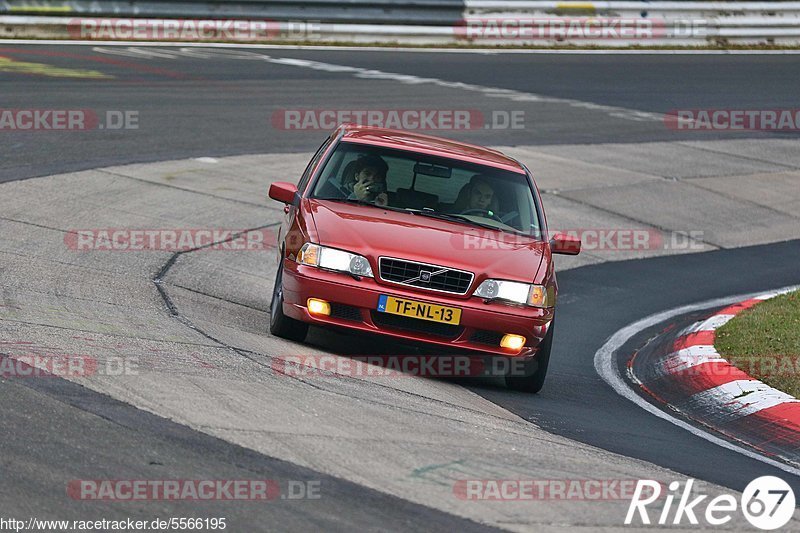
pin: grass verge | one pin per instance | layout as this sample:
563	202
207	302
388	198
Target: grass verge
764	341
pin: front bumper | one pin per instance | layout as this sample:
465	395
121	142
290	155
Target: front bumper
354	303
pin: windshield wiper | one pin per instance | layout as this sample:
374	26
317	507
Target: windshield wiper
347	200
360	202
459	218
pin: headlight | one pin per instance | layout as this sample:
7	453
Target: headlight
333	259
513	291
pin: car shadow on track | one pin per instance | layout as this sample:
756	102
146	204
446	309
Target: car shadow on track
448	365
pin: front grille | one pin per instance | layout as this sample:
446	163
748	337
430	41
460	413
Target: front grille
388	320
482	336
346	312
411	273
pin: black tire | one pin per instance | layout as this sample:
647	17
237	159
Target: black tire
532	382
281	325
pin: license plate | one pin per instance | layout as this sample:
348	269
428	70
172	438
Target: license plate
423	311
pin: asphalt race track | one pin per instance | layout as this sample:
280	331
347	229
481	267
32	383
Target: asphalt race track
230	102
185	419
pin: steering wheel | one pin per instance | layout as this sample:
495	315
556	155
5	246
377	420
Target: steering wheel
483	212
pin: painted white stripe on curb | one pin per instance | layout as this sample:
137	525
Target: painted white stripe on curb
709	324
690	357
739	398
605	363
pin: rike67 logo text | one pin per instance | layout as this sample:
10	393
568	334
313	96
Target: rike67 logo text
767	503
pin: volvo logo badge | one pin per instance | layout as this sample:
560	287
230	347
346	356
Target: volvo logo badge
425	276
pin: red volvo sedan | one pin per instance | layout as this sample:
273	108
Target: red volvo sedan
422	239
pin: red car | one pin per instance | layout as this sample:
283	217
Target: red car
422	239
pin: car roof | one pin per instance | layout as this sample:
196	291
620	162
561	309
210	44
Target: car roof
428	144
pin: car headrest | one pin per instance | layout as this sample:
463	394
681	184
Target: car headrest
349	172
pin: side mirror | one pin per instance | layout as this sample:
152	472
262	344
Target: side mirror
283	192
565	244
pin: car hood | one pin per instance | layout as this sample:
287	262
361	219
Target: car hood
375	232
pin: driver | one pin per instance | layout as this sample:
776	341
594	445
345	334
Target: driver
477	194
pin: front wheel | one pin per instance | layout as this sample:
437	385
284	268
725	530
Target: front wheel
281	325
534	381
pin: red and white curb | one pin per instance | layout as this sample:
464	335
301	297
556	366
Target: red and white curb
718	385
730	402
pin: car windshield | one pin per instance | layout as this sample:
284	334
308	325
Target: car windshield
465	193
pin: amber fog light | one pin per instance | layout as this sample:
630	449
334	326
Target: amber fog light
512	342
319	307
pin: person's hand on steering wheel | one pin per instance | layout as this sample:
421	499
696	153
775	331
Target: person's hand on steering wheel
483	212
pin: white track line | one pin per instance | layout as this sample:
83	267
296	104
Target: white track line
406	79
605	362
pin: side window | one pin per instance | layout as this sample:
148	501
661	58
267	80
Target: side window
301	185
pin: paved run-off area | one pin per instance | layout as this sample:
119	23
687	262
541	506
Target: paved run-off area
210	369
